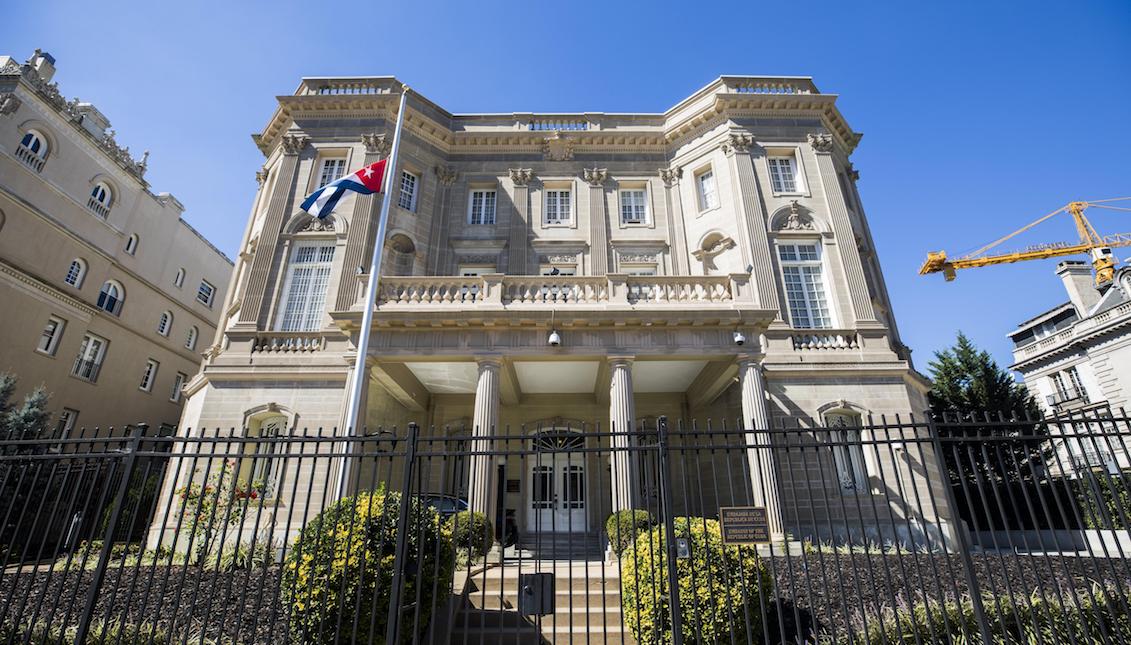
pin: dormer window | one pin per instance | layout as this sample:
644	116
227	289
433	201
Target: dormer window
100	200
32	150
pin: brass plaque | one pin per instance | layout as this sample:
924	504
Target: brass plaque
744	524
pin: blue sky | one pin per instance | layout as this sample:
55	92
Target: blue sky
977	117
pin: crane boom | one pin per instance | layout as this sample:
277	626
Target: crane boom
1091	242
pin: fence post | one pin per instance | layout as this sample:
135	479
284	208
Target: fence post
130	460
959	532
396	586
669	530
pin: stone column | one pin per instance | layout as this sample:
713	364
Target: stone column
598	221
363	226
622	417
756	416
254	305
481	489
677	230
754	239
519	238
438	240
842	229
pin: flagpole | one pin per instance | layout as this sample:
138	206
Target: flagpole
358	380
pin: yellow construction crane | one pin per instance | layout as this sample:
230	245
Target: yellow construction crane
1098	247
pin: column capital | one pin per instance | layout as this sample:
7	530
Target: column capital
736	142
376	144
489	361
595	177
293	143
446	174
821	142
521	176
671	176
620	360
748	359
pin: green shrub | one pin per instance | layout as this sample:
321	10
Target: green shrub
1023	621
242	557
114	632
341	565
1103	499
622	527
721	588
471	534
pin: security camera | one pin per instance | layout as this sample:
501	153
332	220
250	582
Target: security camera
750	268
739	338
555	338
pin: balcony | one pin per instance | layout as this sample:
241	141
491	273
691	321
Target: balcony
1070	398
86	370
30	159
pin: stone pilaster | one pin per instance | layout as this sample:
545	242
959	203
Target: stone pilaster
598	221
482	485
677	230
753	237
622	418
255	301
363	226
756	416
438	240
842	229
519	239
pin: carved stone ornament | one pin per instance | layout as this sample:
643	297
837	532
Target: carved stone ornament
261	176
737	142
9	103
478	259
596	177
671	175
558	147
521	176
293	143
717	247
376	144
796	220
638	258
317	225
560	258
821	142
446	174
853	173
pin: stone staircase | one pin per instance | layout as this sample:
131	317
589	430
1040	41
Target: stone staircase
587	606
558	546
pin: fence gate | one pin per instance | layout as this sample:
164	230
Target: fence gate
864	530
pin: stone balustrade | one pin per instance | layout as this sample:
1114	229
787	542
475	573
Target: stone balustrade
1081	328
768	85
287	342
825	340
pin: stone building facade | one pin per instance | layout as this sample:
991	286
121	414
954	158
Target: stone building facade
712	261
109	296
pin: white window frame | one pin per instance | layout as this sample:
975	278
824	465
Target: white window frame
149	375
483	218
65	424
178	384
80	274
57	326
92	351
190	340
778	181
645	216
703	199
179	279
132	243
165	323
557	192
319	269
101	199
805	267
339	164
34	159
211	297
115	308
408	191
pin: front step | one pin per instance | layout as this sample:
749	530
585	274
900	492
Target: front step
561	546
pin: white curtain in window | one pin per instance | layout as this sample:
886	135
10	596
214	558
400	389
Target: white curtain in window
305	298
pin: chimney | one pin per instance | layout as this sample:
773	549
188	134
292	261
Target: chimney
1080	285
44	65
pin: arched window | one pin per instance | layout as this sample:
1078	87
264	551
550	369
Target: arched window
131	244
111	297
190	342
179	281
75	273
101	198
32	150
165	323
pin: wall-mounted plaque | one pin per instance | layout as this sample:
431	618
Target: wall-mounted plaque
744	524
513	485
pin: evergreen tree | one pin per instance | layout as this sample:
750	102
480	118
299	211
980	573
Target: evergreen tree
969	387
7	388
30	420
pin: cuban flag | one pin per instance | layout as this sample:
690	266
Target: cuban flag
366	181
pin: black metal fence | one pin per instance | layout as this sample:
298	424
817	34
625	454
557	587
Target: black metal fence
881	531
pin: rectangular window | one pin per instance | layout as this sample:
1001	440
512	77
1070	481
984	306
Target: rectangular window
178	383
332	170
481	209
633	206
304	294
89	361
783	174
52	332
66	424
407	198
1077	385
848	452
804	286
705	184
559	209
149	375
205	293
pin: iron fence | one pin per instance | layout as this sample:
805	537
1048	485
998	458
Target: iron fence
901	530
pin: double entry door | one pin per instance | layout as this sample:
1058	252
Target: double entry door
557	485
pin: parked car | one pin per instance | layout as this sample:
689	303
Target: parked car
445	505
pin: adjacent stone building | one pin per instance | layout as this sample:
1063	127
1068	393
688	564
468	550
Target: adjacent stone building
559	273
109	296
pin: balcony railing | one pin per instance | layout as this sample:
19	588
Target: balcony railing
280	342
826	339
1068	396
86	370
535	291
32	160
98	207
